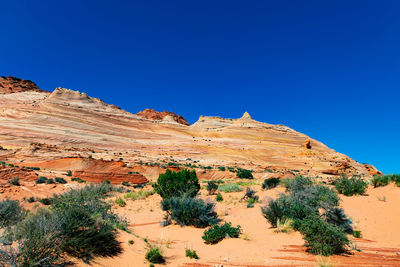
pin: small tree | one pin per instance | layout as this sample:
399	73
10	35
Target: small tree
177	184
244	174
212	187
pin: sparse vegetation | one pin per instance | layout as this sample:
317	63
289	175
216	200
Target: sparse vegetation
191	254
141	194
60	180
41	180
219	197
227	188
10	212
120	202
15	181
50	181
270	183
77	179
357	234
324	233
154	255
69	173
351	186
212	187
217	233
378	181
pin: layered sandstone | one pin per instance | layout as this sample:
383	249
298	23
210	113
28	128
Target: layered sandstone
38	126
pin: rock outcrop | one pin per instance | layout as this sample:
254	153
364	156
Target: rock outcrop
10	85
166	116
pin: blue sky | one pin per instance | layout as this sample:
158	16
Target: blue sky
329	69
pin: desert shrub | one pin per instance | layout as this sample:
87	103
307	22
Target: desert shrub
85	236
250	195
298	183
69	173
45	201
381	180
15	181
77	179
154	255
191	254
60	180
350	186
138	186
337	217
190	211
212	187
222	168
273	212
8	256
50	181
284	226
357	234
244	174
177	184
217	232
126	183
10	212
395	178
90	197
219	197
322	237
141	194
31	199
41	180
39	239
227	188
120	202
270	183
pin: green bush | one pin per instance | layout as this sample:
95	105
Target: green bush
60	180
41	180
228	188
322	237
350	186
357	234
154	255
298	183
250	195
177	184
126	183
15	181
69	173
337	217
85	236
244	174
212	187
77	179
222	168
120	202
45	201
270	183
31	199
273	212
10	212
141	194
39	238
191	254
395	178
190	211
378	181
50	181
216	233
219	197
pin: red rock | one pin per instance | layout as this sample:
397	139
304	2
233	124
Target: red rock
372	170
11	85
151	114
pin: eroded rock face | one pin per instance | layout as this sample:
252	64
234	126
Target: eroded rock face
39	126
9	85
372	170
7	173
151	114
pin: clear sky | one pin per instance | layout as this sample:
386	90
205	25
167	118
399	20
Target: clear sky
329	69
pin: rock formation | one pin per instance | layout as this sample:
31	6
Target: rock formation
9	85
151	114
68	123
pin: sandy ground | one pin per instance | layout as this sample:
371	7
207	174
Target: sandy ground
259	245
